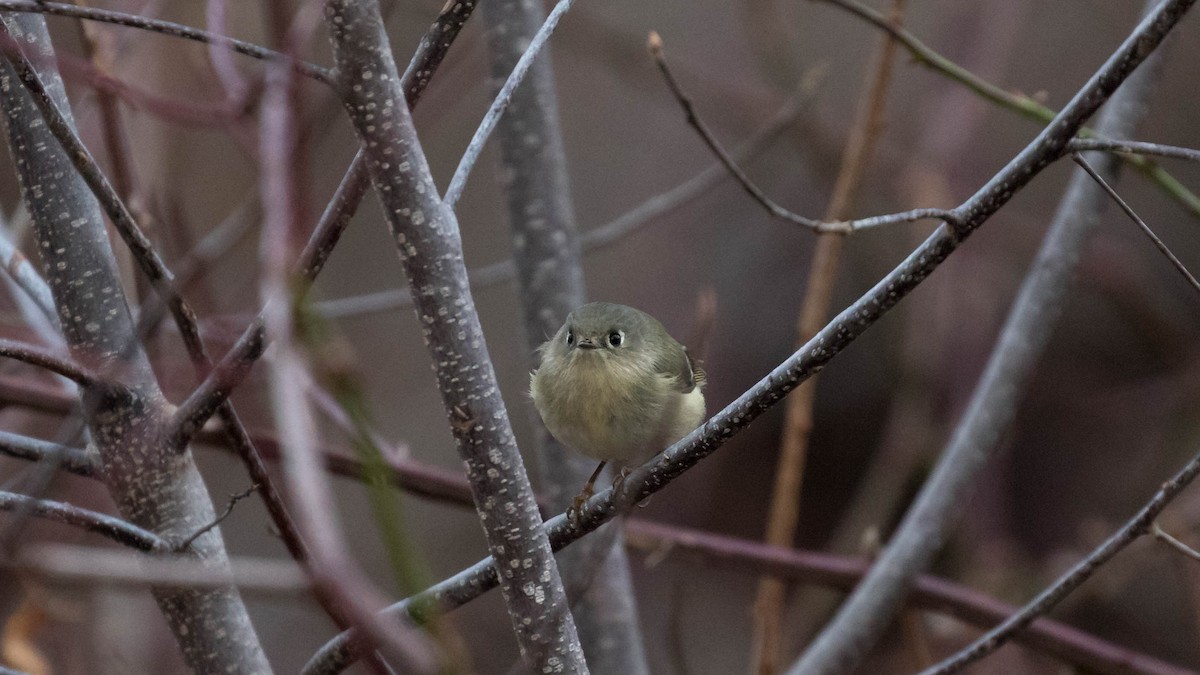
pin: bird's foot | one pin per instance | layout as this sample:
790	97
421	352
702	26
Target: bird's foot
575	512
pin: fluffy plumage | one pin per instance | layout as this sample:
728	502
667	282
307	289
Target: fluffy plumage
615	386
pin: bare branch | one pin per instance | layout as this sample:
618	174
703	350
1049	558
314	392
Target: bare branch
655	46
90	566
23	274
1158	243
120	531
459	180
36	450
426	232
59	364
1048	636
925	56
1045	601
158	26
646	213
533	175
155	489
1136	147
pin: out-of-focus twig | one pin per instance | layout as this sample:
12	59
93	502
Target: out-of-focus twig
89	566
783	518
1048	636
926	56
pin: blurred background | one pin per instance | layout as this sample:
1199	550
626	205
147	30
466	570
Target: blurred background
1111	413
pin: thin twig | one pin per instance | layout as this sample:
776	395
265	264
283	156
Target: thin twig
655	46
644	214
1162	535
165	27
926	56
27	278
1135	147
236	364
41	357
75	460
500	104
1049	598
1158	243
940	595
91	566
845	328
233	500
120	531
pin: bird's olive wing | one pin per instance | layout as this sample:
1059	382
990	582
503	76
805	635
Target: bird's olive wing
683	370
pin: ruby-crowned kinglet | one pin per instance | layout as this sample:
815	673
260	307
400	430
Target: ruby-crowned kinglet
616	387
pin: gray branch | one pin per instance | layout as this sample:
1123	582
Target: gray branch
427	238
546	253
115	529
155	489
861	620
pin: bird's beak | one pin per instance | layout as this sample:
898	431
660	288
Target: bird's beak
588	343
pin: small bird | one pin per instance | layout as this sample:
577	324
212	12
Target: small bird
615	386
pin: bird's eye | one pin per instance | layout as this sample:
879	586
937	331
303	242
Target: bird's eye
615	338
570	337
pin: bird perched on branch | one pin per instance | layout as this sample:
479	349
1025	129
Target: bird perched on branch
615	386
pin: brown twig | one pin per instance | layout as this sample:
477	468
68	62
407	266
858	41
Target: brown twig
647	213
766	640
655	46
233	500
